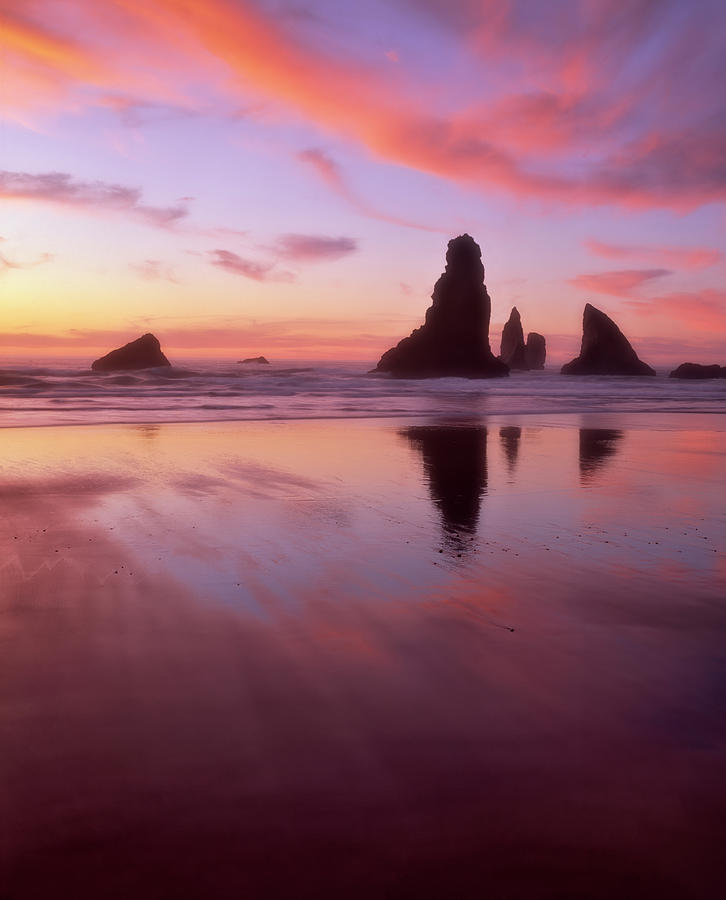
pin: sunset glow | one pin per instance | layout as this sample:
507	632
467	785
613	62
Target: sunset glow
268	176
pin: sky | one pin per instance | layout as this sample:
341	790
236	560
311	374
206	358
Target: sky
281	177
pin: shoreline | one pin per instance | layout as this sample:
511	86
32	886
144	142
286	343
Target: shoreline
442	415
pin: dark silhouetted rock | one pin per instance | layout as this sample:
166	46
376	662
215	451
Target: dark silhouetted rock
455	466
597	446
696	370
512	347
143	353
535	351
605	350
454	339
255	359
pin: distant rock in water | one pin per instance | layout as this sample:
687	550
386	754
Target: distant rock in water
605	349
454	339
254	359
143	353
535	351
512	349
696	370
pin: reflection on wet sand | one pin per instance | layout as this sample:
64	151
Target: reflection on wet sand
455	466
233	665
510	436
597	446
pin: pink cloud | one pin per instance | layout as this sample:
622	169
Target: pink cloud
237	265
7	263
699	310
620	283
572	113
331	174
683	257
313	248
153	270
62	189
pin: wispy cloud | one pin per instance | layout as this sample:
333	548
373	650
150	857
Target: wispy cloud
313	248
679	257
605	124
330	172
699	310
153	270
621	283
62	189
248	268
6	262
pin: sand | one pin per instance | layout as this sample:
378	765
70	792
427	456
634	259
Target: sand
364	659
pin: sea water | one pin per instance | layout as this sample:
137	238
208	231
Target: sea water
61	391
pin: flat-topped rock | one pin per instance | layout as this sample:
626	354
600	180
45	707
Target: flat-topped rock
696	370
254	359
605	350
143	353
454	339
512	347
535	351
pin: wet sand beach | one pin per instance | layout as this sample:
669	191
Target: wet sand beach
370	658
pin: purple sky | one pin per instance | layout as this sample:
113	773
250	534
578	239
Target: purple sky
282	177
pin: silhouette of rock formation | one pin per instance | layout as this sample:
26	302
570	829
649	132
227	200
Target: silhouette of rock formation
605	350
512	349
535	351
454	339
143	353
255	359
597	445
696	370
510	436
455	466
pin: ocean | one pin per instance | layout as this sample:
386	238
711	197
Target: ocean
62	392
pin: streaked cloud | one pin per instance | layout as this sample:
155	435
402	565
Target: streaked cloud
330	172
679	257
699	310
62	189
621	283
313	248
153	270
248	268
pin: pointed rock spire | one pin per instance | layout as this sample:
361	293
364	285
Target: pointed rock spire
454	339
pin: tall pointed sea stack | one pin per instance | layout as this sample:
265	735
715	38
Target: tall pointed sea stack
512	347
605	349
454	339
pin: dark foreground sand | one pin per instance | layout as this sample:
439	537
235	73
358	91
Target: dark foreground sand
364	659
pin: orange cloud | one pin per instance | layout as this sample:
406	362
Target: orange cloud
249	50
686	257
620	283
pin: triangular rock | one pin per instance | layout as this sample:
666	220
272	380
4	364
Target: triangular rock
605	350
143	353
